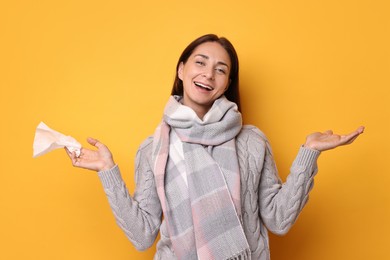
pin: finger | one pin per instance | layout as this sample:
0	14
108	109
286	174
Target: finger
361	129
85	164
83	152
68	152
95	142
72	155
352	140
76	161
358	131
328	132
92	141
348	139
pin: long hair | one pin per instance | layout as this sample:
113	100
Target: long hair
232	93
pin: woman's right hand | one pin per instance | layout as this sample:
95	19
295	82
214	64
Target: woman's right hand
95	160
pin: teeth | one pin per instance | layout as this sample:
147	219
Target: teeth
203	86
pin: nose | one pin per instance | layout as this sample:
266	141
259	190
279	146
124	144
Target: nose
209	73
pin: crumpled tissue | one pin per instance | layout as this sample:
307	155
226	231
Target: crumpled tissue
47	139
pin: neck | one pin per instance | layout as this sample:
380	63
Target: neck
200	112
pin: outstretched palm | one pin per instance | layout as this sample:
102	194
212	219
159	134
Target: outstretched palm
328	140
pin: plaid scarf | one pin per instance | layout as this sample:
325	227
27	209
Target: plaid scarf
203	219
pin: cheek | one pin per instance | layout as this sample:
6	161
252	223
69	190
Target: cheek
225	84
186	74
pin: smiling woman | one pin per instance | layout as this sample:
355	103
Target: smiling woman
205	76
222	46
213	179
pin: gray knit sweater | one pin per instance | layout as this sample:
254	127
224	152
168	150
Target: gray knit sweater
267	203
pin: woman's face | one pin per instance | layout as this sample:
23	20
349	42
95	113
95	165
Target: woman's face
205	76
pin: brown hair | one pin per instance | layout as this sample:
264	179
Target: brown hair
232	93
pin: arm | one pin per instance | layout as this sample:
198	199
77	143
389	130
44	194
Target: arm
139	216
280	204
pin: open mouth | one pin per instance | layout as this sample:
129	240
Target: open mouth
203	86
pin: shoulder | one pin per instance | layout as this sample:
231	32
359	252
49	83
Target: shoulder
143	159
147	144
250	133
251	142
252	149
145	149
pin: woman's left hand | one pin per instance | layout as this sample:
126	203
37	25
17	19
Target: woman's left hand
328	140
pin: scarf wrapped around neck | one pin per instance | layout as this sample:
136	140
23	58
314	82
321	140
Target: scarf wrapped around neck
204	218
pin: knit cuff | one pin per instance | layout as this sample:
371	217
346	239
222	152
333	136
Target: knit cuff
111	177
306	157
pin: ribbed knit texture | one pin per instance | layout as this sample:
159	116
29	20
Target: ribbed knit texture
266	203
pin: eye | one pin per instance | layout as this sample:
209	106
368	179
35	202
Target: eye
201	63
221	70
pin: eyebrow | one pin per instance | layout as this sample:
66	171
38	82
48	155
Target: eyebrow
207	57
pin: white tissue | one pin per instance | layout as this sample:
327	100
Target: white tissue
47	140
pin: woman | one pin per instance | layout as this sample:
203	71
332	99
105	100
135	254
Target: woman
213	180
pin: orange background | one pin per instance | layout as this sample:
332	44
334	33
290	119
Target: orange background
105	69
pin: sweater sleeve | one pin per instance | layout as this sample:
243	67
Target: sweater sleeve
281	203
138	216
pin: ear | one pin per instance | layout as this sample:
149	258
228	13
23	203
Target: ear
180	71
